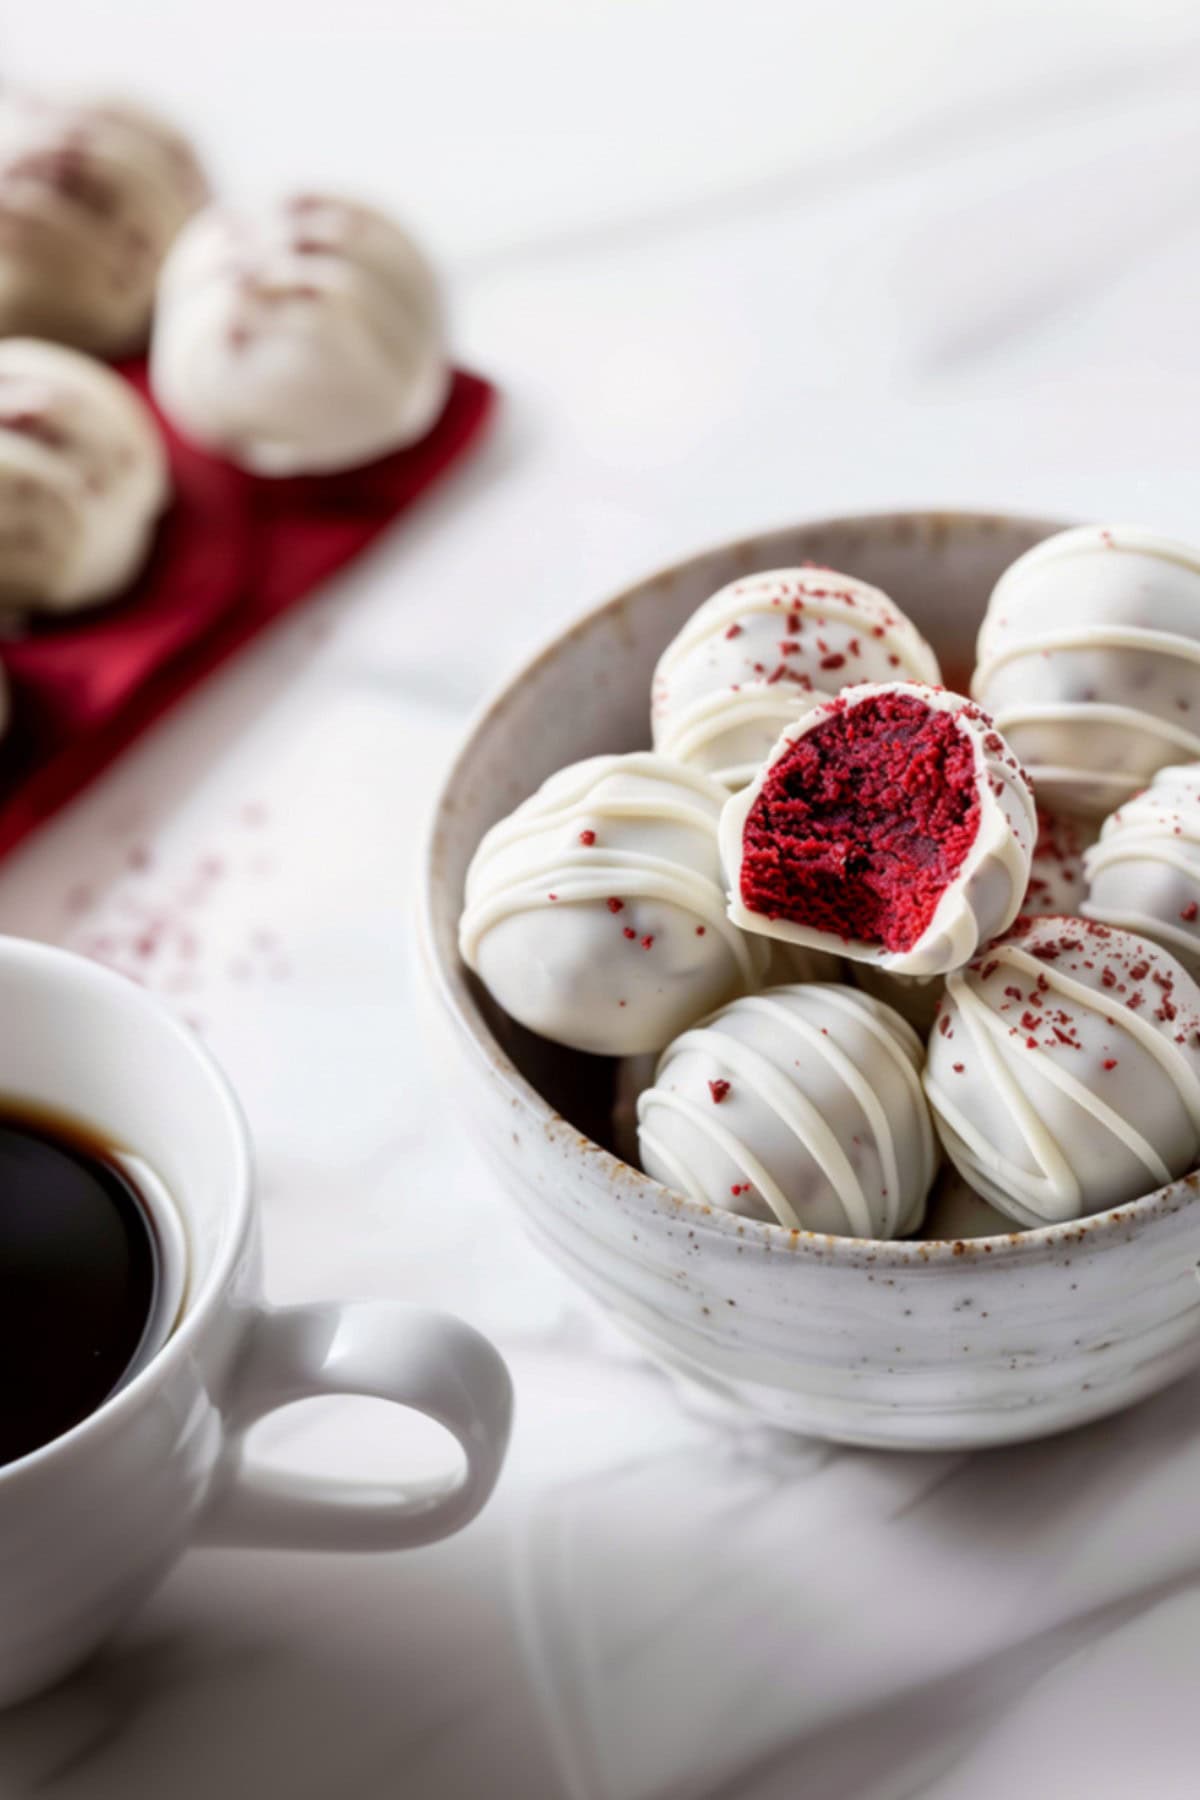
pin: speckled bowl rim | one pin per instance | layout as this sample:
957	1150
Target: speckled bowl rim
448	980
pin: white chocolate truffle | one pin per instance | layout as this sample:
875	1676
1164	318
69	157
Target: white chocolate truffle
750	661
1144	874
1057	882
91	197
802	1105
83	478
892	825
304	337
595	913
1064	1071
1089	661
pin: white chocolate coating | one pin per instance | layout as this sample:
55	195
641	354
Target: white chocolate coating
1089	661
595	913
751	659
984	897
1057	881
83	478
91	197
728	732
1144	874
1064	1071
305	336
801	1105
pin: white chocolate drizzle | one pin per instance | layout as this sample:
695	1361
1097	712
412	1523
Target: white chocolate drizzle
964	1088
748	1043
585	876
756	655
1089	659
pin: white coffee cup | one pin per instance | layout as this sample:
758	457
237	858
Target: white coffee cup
92	1520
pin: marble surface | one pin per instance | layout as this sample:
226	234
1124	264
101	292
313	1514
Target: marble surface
731	267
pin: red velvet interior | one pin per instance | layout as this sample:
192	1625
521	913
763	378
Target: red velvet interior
864	822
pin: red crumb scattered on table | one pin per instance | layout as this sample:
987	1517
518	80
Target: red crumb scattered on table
149	925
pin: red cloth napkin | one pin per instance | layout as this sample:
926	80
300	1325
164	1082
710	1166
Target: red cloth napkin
233	552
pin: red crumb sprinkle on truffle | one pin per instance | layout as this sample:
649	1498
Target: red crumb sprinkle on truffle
614	905
1110	1062
863	822
718	1090
1188	913
1106	961
701	930
647	942
587	839
629	932
735	631
741	1187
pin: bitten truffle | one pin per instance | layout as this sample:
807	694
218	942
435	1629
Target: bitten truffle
802	1105
91	198
758	654
302	337
1089	661
1064	1070
1144	873
595	913
892	824
83	478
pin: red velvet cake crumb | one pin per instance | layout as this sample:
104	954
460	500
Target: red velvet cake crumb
864	822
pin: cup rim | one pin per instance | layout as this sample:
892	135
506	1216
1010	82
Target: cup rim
239	1205
447	977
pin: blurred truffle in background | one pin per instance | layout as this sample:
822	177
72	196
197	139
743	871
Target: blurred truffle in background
92	195
299	337
83	478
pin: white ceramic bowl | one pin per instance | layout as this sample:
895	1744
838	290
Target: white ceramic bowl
938	1345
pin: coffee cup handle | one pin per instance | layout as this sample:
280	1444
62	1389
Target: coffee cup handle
428	1361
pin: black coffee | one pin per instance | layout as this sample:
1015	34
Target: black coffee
78	1278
